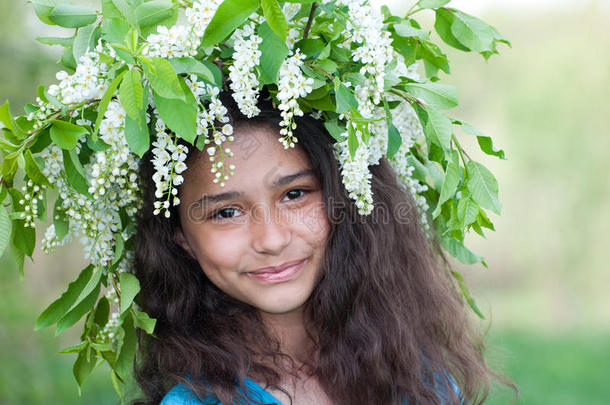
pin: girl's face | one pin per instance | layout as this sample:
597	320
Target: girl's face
268	214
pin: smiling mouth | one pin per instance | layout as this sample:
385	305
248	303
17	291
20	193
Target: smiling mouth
277	269
285	273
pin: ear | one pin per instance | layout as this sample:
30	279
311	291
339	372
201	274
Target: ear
180	239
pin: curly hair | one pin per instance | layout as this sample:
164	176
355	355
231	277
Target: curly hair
385	321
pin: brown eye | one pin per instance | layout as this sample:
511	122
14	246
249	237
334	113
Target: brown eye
295	193
224	213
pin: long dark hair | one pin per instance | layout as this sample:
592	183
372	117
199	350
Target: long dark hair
386	317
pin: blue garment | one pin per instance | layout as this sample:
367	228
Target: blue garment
182	395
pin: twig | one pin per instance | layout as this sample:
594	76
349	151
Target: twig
314	5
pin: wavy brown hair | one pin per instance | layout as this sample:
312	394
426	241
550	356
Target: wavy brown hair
386	318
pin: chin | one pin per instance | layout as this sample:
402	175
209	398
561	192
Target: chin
280	306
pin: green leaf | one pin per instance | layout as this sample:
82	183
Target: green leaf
121	9
102	311
84	365
163	78
43	9
82	304
352	141
406	30
61	223
467	211
130	286
77	348
473	33
56	41
450	183
273	52
67	59
9	122
72	16
215	72
124	362
459	251
103	105
33	170
438	128
119	246
62	305
312	47
65	134
75	172
143	321
84	41
275	17
394	141
432	3
19	258
114	30
344	98
434	94
23	238
136	130
485	142
131	93
466	294
483	186
434	58
153	12
442	25
192	66
335	130
97	145
394	138
230	15
179	116
9	167
5	229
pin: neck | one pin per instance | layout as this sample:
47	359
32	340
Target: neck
289	329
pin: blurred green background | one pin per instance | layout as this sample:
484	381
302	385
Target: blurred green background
545	293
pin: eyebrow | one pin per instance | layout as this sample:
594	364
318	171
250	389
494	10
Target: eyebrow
228	195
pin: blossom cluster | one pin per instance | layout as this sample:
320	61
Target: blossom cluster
292	84
182	40
374	51
32	194
355	172
168	161
213	126
112	178
244	82
88	82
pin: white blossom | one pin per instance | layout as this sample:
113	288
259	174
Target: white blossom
168	161
88	82
355	172
182	40
292	85
242	74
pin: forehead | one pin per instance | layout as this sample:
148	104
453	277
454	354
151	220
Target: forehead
259	159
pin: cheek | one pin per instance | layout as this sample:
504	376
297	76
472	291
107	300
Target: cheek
313	224
219	254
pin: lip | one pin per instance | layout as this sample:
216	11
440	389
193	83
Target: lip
278	274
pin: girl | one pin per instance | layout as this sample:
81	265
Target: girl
274	290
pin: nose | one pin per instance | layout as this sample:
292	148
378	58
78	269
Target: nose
270	231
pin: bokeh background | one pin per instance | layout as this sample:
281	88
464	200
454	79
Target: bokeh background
545	294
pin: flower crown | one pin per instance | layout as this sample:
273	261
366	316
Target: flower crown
137	80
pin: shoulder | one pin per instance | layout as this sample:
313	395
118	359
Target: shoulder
180	394
455	389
